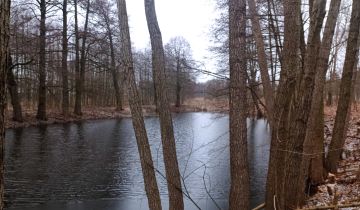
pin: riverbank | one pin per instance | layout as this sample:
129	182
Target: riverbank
55	116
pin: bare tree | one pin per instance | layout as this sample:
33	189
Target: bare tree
262	60
64	63
105	10
240	181
314	140
13	91
162	103
41	113
80	74
179	58
339	132
4	47
284	93
147	164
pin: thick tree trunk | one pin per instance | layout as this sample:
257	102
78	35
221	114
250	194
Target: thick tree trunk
294	188
147	164
339	132
314	140
240	181
64	65
4	47
13	91
262	60
41	112
162	104
285	91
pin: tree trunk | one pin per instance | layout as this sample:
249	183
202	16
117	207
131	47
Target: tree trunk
239	169
13	91
80	77
64	65
314	140
294	187
115	75
41	112
178	85
285	91
262	60
4	47
77	59
147	164
162	104
339	132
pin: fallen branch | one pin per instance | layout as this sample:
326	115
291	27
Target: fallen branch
261	206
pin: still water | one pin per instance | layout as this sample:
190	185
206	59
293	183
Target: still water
95	164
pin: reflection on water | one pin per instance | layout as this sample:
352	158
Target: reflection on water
95	165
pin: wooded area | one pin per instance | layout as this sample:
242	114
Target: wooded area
285	60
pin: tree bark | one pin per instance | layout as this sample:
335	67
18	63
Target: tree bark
147	164
178	85
314	140
285	91
115	75
294	188
4	47
162	104
77	60
239	169
339	132
41	112
262	60
13	91
80	77
64	64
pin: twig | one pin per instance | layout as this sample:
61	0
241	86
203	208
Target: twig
261	206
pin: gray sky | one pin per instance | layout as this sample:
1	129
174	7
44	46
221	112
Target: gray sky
191	19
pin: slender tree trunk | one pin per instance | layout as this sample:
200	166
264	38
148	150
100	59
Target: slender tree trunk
262	60
163	107
80	80
77	59
240	181
4	47
147	164
64	65
115	75
314	140
178	85
13	91
41	112
339	132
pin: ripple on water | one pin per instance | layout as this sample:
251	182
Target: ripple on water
97	162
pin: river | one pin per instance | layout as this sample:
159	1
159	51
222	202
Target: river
95	164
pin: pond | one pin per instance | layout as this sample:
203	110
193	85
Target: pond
95	164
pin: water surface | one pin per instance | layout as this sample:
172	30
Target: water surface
95	164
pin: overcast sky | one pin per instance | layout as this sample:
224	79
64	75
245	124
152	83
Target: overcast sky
191	19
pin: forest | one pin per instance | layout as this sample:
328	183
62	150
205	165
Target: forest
89	120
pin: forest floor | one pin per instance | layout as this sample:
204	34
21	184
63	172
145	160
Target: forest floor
344	186
55	116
